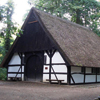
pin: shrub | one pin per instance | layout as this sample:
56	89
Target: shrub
3	73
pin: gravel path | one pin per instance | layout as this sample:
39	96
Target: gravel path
45	91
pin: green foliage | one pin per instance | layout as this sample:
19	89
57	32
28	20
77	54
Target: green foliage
2	50
2	53
9	27
83	12
3	73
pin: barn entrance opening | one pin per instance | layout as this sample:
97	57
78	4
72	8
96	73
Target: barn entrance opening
34	69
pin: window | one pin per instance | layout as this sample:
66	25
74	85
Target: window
82	69
94	70
98	70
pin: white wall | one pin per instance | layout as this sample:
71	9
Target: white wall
57	58
15	60
59	68
90	78
78	78
98	78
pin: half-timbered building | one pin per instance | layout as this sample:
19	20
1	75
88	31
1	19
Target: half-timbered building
54	50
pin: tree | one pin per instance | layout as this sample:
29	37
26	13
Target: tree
9	24
50	6
1	13
8	27
83	12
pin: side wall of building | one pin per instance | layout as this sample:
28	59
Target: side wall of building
59	69
84	77
14	67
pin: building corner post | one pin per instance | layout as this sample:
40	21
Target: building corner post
68	75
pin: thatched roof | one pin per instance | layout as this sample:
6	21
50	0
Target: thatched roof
79	44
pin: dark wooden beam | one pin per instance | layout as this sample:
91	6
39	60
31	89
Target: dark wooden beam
55	73
15	65
50	65
15	72
53	52
19	55
50	54
18	71
56	64
84	74
96	74
21	65
72	79
47	53
68	75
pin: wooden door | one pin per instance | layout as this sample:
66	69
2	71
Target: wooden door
34	70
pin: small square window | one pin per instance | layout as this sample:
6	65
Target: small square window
94	70
82	69
98	70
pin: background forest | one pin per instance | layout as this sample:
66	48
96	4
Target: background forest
83	12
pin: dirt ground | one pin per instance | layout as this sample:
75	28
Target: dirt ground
45	91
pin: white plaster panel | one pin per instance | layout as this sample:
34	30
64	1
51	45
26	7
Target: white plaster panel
88	70
57	58
45	76
98	78
46	70
13	75
47	58
22	77
78	78
75	69
53	76
90	78
22	68
71	81
59	68
15	59
60	77
15	69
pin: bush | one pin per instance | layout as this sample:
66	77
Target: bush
3	73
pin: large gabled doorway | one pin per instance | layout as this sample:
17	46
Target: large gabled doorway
34	68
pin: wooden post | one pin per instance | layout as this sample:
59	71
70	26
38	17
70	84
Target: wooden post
50	65
21	66
68	75
84	74
96	74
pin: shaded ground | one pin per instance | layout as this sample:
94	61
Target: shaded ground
44	91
